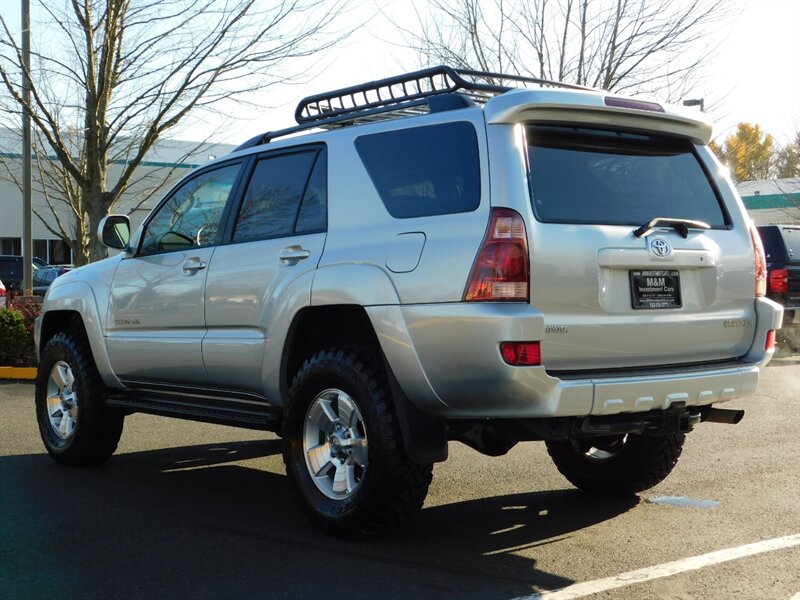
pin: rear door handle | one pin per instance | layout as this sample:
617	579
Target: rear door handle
293	254
192	265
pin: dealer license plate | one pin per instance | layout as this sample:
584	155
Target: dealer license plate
655	289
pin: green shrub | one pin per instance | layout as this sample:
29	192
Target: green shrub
13	337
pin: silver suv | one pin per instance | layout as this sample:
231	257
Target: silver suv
434	258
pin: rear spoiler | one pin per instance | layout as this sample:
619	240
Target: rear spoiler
597	109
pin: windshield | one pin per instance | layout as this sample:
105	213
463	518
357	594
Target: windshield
580	175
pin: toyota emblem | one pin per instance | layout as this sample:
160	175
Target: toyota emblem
660	247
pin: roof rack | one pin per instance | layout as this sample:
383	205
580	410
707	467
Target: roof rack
402	95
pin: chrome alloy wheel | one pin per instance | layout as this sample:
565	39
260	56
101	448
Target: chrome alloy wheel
62	401
335	444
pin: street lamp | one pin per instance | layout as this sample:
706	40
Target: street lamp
696	102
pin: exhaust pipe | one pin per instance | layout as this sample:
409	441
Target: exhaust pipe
722	415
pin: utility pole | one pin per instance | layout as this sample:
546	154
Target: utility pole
27	205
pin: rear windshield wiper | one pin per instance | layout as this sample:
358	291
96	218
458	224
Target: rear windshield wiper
682	226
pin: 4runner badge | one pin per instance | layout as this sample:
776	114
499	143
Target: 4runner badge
660	247
555	329
737	323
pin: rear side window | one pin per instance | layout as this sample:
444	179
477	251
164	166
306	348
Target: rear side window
605	177
286	195
424	171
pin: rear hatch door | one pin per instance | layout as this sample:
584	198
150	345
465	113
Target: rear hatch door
616	294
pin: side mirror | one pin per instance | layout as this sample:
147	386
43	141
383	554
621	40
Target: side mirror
115	231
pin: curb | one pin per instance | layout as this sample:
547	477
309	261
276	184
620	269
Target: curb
28	373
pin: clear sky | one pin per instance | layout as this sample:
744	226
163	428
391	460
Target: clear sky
754	75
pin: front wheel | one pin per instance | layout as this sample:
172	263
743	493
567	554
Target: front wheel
343	450
76	426
617	465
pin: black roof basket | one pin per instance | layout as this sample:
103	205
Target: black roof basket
403	95
404	91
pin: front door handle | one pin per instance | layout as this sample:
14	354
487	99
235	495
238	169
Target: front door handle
292	254
192	265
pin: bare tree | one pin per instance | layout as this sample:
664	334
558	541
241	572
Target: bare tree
629	46
113	76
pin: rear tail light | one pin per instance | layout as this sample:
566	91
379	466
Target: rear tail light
779	281
770	343
761	262
521	354
500	272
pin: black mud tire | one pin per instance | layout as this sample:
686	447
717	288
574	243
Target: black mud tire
97	427
624	466
393	487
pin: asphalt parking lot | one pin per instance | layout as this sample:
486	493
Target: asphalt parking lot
188	510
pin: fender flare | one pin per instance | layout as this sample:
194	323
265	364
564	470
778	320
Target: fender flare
361	284
79	297
424	434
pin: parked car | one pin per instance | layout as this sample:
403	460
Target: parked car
434	259
11	271
782	249
3	295
44	276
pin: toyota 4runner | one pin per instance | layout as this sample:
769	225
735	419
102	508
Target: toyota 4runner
423	259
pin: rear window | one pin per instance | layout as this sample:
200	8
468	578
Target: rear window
596	176
781	244
791	237
10	269
774	248
424	171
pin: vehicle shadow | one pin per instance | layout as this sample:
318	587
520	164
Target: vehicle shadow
206	521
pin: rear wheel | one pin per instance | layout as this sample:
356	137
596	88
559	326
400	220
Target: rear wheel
343	450
617	465
76	426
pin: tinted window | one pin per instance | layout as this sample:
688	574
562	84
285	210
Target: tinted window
272	202
192	215
10	269
593	176
424	171
313	215
791	237
774	248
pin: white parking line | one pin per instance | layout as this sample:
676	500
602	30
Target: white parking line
586	588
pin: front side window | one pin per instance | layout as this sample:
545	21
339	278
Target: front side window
286	195
192	215
424	171
580	175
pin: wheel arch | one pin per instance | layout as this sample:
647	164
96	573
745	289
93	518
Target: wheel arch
70	306
316	328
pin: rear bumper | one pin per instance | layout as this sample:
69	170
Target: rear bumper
446	358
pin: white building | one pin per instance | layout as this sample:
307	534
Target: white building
772	200
169	161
